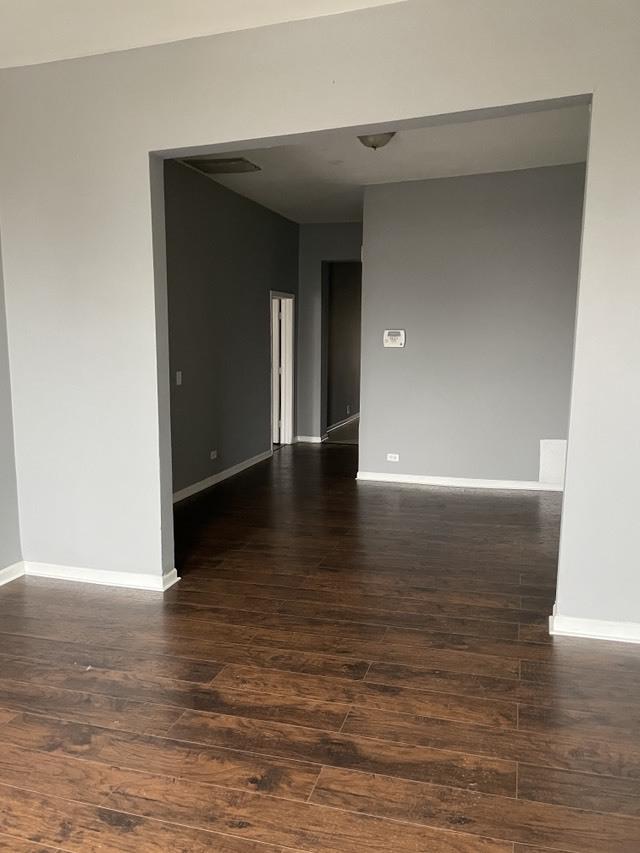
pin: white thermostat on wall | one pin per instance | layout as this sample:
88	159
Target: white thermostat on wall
393	338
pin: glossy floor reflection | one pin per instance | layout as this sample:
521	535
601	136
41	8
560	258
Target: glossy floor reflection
343	668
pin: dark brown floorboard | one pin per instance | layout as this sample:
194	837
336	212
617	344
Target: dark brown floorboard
344	668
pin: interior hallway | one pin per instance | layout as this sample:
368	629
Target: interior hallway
343	668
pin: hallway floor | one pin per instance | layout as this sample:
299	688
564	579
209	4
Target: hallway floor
343	668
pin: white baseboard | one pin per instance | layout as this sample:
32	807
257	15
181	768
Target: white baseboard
10	573
346	421
593	629
220	476
132	580
458	482
311	439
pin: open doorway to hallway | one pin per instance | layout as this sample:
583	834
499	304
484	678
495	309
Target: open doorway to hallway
342	298
432	300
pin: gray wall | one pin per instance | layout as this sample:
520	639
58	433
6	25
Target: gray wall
344	294
9	529
482	273
319	243
224	254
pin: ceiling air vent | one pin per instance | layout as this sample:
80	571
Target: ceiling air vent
221	165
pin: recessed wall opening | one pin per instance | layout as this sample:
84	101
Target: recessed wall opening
430	287
341	333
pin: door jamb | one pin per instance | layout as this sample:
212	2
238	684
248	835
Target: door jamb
287	350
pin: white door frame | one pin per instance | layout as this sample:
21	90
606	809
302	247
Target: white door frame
275	377
282	345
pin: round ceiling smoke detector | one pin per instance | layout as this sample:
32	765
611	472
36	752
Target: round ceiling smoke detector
376	140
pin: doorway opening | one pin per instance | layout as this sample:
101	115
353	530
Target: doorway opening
282	368
342	326
464	261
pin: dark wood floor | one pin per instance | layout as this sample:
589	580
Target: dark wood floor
343	668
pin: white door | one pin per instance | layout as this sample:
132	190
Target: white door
282	367
275	370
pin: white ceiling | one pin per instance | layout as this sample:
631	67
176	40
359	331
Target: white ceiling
34	31
321	177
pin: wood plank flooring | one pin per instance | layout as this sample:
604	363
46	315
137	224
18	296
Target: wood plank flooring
343	668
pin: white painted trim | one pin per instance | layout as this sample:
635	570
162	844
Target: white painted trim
10	573
282	352
220	476
553	460
282	294
346	421
311	439
288	368
132	580
458	482
276	378
593	629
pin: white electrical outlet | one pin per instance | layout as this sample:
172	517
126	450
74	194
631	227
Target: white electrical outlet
213	455
178	377
393	457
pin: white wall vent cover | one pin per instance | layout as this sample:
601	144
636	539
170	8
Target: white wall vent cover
553	457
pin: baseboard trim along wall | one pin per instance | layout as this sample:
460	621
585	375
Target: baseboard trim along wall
10	573
311	439
220	476
132	580
593	629
458	482
553	460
